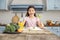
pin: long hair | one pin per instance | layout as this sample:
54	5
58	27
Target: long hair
27	14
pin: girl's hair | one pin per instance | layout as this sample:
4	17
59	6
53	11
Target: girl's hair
27	14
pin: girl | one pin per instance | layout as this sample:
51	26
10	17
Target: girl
31	20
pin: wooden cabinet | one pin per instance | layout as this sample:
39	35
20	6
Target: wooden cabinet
4	4
53	4
57	4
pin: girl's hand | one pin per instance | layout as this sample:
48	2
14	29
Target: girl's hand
41	25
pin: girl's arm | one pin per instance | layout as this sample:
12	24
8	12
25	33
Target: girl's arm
40	24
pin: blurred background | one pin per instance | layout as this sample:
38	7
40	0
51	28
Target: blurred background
47	10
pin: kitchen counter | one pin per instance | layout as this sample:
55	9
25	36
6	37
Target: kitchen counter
51	26
30	35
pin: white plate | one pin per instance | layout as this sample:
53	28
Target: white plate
32	28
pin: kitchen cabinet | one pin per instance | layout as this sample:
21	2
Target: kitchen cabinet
55	30
4	4
53	4
2	28
57	2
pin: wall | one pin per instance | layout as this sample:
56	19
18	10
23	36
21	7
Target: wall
53	15
6	16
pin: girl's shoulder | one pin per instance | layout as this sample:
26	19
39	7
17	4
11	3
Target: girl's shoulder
36	17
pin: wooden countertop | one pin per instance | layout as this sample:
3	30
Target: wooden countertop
31	35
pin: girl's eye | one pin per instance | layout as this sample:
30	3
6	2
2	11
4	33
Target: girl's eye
31	9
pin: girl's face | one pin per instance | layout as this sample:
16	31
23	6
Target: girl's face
31	11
